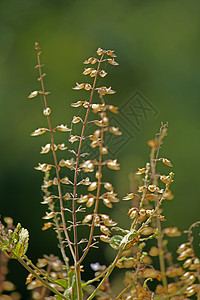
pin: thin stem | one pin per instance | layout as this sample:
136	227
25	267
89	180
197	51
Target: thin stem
154	153
77	161
97	198
48	286
54	154
76	258
109	271
130	284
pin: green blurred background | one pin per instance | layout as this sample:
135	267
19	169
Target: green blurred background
158	46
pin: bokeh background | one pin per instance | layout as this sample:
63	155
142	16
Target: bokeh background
158	46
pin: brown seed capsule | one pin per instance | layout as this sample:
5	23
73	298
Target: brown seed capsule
105	238
47	111
104	150
108	186
187	263
98	175
97	133
92	186
154	251
90	202
87	219
107	203
105	121
133	212
105	230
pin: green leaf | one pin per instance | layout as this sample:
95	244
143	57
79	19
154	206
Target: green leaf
116	241
62	282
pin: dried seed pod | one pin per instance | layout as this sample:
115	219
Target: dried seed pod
96	108
87	219
77	104
73	138
62	128
105	230
141	189
46	149
94	144
91	60
107	203
165	179
105	121
79	86
96	220
43	167
108	186
113	109
90	202
112	197
99	123
147	231
47	111
49	216
97	133
47	226
102	73
183	255
115	130
141	171
160	290
113	164
39	131
105	238
65	180
195	265
142	215
174	272
88	87
172	231
88	71
104	150
112	62
152	188
191	290
76	120
98	175
167	162
150	273
33	94
87	166
171	288
152	143
111	53
182	248
83	198
93	186
100	51
129	196
133	212
187	263
154	251
110	223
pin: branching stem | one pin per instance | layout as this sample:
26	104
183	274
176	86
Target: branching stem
76	258
48	286
54	156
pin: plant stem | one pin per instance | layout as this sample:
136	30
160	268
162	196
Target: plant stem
48	286
76	258
97	199
109	271
54	156
154	153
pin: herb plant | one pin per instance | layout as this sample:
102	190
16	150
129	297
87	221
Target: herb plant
76	195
